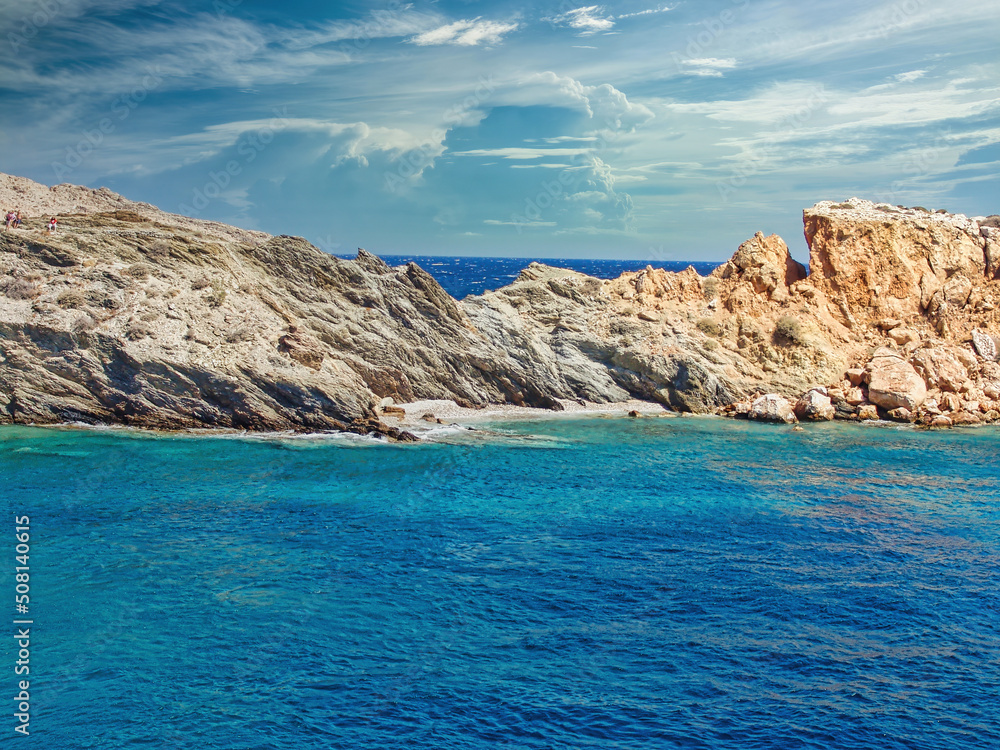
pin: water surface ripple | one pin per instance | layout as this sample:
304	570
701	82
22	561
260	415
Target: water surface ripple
579	582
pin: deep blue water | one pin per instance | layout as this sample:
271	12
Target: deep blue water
464	276
570	583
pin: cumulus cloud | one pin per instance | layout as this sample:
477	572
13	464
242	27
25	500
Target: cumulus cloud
608	108
588	20
465	33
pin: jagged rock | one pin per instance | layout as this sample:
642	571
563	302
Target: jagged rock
893	383
855	396
772	408
941	421
815	405
302	348
889	263
940	369
901	415
965	418
765	263
132	315
950	402
856	375
904	336
867	412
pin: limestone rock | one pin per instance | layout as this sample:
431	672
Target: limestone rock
985	345
772	408
868	412
893	383
815	405
940	368
904	336
888	262
901	415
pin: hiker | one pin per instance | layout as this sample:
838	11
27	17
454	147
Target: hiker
7	219
52	225
17	219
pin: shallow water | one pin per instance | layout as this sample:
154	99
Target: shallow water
576	582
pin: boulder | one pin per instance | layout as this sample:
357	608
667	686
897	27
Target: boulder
904	336
868	412
985	345
950	402
965	418
815	406
940	368
856	375
893	383
772	408
855	397
901	415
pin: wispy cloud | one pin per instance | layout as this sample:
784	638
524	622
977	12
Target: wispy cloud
522	153
587	21
466	33
709	67
648	12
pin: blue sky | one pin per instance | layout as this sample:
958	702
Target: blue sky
633	129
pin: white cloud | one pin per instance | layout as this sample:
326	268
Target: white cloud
497	223
588	20
711	67
912	75
466	33
608	107
522	153
649	12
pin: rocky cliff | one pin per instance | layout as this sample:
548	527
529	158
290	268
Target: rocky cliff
131	315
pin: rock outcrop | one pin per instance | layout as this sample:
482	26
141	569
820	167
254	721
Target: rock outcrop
130	315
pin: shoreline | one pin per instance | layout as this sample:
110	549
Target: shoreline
450	418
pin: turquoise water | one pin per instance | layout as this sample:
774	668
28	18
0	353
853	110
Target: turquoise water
577	582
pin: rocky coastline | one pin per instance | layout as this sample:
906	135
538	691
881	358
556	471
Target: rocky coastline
130	315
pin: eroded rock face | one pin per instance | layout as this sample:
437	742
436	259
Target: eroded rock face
893	383
885	261
131	315
941	368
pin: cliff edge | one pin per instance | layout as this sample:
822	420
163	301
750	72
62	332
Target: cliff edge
130	315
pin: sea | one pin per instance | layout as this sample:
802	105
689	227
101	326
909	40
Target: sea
462	276
576	581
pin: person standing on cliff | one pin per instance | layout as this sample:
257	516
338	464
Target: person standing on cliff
52	225
7	219
17	219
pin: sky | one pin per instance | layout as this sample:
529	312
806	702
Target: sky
631	129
